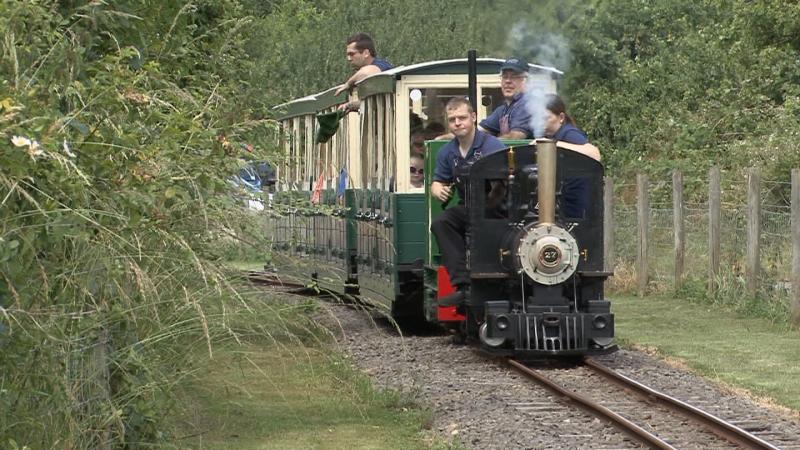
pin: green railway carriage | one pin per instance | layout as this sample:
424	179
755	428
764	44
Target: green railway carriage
367	230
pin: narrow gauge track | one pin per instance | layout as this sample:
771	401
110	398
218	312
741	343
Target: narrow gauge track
659	430
296	287
663	419
271	279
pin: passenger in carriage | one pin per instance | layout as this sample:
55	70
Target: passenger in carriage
511	120
417	171
415	122
434	129
362	56
418	143
450	227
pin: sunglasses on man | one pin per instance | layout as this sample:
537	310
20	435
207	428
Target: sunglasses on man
415	170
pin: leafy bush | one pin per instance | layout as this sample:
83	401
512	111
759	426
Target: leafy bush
117	127
688	85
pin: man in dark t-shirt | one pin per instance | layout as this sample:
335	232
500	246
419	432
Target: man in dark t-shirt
361	54
468	145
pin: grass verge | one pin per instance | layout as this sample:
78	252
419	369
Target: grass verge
257	396
753	353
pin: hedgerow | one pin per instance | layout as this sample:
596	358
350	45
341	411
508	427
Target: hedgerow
119	125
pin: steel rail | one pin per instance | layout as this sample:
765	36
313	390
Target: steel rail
270	279
635	431
716	425
307	289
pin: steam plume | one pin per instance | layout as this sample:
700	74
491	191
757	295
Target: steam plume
543	48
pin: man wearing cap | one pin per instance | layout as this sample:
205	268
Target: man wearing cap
362	56
511	120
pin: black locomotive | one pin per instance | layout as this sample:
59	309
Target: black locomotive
536	258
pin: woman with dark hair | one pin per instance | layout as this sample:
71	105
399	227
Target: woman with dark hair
560	126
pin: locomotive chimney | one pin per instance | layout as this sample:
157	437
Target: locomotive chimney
472	78
546	161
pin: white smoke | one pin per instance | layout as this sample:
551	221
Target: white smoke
545	49
536	103
540	47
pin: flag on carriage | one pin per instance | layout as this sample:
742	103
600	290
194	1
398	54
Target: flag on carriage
342	183
316	195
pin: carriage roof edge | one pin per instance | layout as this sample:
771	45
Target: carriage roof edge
385	82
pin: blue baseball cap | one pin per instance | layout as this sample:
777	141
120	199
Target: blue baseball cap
515	64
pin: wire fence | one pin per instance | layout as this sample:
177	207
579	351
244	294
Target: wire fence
754	219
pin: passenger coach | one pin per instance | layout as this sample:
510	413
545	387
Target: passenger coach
345	212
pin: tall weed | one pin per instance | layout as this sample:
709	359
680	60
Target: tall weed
119	124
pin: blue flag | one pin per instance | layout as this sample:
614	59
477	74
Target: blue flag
342	182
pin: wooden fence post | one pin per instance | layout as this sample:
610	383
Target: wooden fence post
608	224
678	223
795	246
643	214
753	229
714	211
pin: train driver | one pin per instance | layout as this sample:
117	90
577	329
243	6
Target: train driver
468	145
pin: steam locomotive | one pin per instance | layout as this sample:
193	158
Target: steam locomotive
536	262
346	215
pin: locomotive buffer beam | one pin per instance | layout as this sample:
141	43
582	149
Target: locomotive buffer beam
543	330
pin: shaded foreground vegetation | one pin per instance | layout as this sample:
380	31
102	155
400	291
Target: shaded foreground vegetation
118	127
121	121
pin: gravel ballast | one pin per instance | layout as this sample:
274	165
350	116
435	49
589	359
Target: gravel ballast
483	404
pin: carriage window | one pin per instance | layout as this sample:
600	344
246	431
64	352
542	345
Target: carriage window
491	98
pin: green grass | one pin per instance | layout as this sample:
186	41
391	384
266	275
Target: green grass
257	397
255	264
752	353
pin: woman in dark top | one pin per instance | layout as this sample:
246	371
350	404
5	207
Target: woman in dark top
559	126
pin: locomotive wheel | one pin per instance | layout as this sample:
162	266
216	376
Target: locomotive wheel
491	342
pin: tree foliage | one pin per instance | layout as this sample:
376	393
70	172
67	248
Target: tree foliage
682	84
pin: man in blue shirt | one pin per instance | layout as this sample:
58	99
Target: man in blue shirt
511	120
361	54
450	228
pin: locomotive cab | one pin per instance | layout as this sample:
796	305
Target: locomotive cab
536	253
